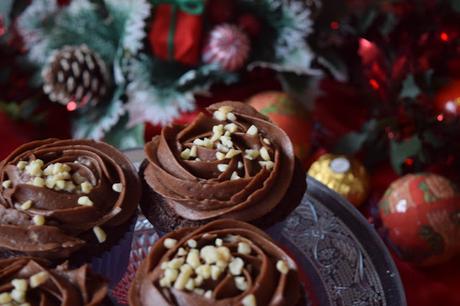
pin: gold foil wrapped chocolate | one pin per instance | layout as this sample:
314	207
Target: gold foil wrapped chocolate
347	176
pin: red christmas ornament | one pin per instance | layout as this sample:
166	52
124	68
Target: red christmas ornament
227	46
421	215
250	24
447	100
220	11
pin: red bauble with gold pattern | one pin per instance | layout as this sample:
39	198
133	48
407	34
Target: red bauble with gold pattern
288	115
448	99
421	216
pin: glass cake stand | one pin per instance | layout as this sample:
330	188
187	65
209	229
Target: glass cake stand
343	260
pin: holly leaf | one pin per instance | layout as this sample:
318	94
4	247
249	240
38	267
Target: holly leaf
6	7
400	151
355	141
409	88
124	137
433	139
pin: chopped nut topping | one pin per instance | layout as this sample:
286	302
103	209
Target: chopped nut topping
60	185
34	168
86	187
181	252
215	272
264	154
26	205
267	164
18	296
219	242
198	142
169	243
225	109
236	266
19	284
38	181
244	248
193	151
240	283
204	271
38	279
231	127
176	263
38	220
198	281
240	165
220	155
171	275
232	153
252	130
184	276
6	184
100	234
208	294
199	291
193	258
209	254
234	176
266	141
222	148
190	285
222	167
118	187
220	115
249	300
282	267
85	201
251	154
231	116
217	130
21	165
5	298
226	141
185	154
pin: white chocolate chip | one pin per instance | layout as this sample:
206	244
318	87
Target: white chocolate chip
240	283
118	187
100	234
6	184
226	141
198	281
60	184
208	294
244	248
225	109
199	291
207	143
190	285
50	182
34	168
171	275
38	220
193	258
198	142
193	151
85	201
62	176
165	283
38	181
215	272
234	176
69	186
232	153
86	187
267	164
5	298
19	284
26	205
249	300
252	130
209	254
231	127
251	154
240	165
236	266
175	263
21	165
231	116
224	253
219	115
184	276
38	279
169	243
282	267
217	130
264	154
266	141
185	154
181	252
222	167
204	271
222	148
219	242
192	243
220	155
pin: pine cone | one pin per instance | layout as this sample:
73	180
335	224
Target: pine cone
75	73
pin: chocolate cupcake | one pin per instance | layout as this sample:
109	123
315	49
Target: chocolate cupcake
226	262
231	162
62	196
29	281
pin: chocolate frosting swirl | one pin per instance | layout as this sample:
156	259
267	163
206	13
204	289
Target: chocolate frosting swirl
59	286
245	187
266	282
68	223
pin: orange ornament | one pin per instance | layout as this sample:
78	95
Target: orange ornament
288	115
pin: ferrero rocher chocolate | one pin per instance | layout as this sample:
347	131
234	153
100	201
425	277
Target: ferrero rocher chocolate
347	176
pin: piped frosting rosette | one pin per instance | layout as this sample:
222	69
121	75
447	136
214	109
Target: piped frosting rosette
225	262
58	195
28	281
230	163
